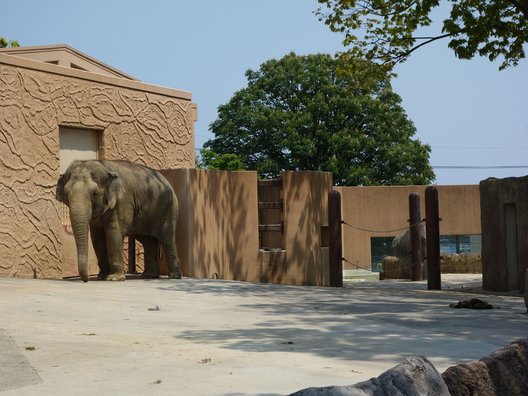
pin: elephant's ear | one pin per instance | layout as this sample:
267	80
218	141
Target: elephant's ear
59	191
115	189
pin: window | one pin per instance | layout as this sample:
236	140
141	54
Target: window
457	244
74	66
449	244
379	249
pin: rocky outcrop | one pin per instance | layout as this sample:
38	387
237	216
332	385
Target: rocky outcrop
504	372
416	376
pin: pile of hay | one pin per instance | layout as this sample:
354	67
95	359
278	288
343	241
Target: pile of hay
395	268
465	263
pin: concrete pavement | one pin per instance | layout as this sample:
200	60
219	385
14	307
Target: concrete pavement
213	337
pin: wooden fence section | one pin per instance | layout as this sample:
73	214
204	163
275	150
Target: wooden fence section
271	214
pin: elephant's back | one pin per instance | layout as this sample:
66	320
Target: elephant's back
149	187
136	174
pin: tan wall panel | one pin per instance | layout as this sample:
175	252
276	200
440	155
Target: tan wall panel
305	208
217	232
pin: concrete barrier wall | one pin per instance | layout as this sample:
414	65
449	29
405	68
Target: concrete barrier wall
217	231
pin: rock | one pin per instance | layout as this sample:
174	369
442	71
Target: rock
415	376
504	372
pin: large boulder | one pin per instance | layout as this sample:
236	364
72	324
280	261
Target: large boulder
504	372
416	376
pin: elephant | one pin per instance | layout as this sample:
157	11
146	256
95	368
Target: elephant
114	199
401	246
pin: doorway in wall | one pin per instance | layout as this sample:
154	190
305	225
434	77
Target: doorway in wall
75	144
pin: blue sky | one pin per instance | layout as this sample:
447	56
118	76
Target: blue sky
470	113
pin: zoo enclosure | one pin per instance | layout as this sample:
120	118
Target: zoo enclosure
381	212
233	226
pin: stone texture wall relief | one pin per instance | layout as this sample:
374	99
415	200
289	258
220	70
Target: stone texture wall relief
29	159
144	127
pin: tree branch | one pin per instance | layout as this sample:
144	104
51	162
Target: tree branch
401	57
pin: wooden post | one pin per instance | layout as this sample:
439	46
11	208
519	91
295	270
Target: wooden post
414	220
335	245
526	289
131	255
432	223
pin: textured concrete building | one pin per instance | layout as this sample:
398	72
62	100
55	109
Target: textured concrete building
56	104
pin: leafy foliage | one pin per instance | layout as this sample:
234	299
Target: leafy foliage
4	43
488	28
210	160
302	113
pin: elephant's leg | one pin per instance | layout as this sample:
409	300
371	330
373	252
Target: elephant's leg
114	247
151	246
99	245
169	248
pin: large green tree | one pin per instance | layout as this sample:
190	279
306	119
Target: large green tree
301	113
385	31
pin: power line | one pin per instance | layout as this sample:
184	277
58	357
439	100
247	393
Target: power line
478	148
480	167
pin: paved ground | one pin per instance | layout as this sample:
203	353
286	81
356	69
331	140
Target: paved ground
212	337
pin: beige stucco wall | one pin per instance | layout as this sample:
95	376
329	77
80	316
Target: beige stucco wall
139	122
386	209
217	231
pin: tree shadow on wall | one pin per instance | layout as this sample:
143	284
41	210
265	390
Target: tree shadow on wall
225	217
307	192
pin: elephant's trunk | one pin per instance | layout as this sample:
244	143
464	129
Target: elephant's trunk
80	218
